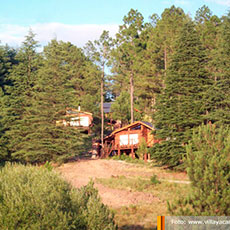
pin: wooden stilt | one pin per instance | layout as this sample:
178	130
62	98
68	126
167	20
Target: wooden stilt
132	152
145	157
119	151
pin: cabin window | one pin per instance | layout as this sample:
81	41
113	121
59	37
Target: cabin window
124	140
133	139
74	121
136	127
82	121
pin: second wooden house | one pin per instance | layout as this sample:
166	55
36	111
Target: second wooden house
77	119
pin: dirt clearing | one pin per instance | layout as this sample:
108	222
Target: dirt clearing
81	172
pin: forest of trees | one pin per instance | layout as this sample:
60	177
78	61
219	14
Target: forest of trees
172	71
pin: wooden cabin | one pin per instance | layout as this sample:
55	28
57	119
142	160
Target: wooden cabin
77	119
127	139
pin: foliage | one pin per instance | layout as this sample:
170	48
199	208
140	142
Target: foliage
37	198
42	88
7	61
180	106
154	179
121	108
97	215
125	57
128	159
48	166
17	99
209	171
175	68
142	149
218	97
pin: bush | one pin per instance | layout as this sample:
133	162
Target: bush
37	198
128	159
96	215
208	168
154	180
142	149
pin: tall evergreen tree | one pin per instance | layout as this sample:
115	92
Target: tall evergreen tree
7	60
218	97
39	98
180	106
125	55
99	53
157	39
167	28
53	94
17	100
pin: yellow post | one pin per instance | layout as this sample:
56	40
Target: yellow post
160	223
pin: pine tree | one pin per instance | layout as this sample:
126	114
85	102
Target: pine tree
99	54
218	96
209	172
167	28
156	40
180	107
7	60
17	99
120	109
43	139
125	56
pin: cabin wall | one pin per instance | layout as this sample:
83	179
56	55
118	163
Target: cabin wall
150	138
142	132
128	133
84	120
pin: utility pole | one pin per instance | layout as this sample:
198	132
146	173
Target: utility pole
102	102
131	96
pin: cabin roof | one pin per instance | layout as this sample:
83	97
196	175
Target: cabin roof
75	111
146	124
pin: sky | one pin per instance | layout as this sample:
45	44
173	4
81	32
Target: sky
78	21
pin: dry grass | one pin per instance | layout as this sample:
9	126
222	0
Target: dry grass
127	188
136	217
143	214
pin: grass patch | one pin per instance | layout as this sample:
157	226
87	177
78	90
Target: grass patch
122	182
140	168
163	190
144	215
139	217
129	159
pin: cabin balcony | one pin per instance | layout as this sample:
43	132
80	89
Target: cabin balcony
123	147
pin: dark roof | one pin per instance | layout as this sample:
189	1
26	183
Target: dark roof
147	123
107	107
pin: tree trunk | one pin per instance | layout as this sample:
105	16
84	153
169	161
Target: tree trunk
131	96
102	111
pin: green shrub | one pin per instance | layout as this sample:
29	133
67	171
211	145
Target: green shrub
142	149
96	215
128	159
208	168
36	198
48	166
154	180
